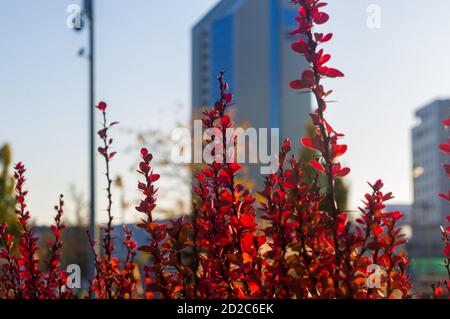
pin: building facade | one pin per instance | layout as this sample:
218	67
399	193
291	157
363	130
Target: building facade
249	40
429	210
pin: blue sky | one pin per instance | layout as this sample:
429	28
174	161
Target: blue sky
143	72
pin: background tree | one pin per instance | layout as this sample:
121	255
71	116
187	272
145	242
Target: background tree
175	180
7	197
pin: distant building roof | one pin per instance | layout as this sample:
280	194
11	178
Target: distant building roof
222	8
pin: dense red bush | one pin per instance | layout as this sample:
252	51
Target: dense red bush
302	251
232	246
20	274
443	288
166	276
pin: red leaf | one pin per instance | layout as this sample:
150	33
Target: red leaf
234	167
321	4
102	106
327	37
200	177
438	291
333	73
302	12
311	144
143	167
396	215
247	244
56	231
377	186
286	147
228	98
323	38
321	18
388	196
324	59
226	196
317	166
377	231
144	152
102	133
102	150
308	77
225	121
307	80
260	240
336	169
445	148
22	261
445	196
300	47
247	221
338	150
446	122
343	172
298	85
208	172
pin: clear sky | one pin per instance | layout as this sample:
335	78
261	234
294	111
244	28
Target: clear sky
143	72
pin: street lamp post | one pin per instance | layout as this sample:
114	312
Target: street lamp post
89	12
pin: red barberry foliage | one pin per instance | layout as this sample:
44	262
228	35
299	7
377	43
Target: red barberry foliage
443	288
21	277
302	252
225	229
291	249
166	276
57	277
113	279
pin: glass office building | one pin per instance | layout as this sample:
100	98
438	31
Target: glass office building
249	40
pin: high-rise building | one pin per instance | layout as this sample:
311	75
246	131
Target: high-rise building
429	210
249	40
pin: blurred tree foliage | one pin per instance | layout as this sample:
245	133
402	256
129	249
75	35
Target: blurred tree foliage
342	190
7	197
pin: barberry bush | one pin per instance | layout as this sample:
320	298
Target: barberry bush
113	279
442	289
233	246
20	274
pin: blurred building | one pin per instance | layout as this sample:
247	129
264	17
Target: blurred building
429	210
249	40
